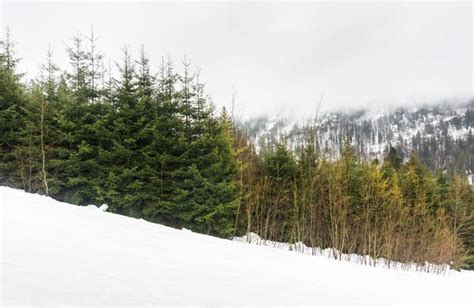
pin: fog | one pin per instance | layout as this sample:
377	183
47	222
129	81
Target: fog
277	57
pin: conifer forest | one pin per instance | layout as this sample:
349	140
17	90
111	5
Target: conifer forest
150	143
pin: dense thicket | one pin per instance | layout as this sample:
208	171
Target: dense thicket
393	210
151	146
148	146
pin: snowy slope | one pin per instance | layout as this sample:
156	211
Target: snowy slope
59	254
371	131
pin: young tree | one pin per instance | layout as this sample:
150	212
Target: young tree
80	72
94	68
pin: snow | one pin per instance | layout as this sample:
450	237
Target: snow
388	127
55	253
300	247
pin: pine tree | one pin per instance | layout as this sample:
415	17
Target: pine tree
79	74
126	124
393	158
153	147
145	85
14	164
94	69
218	195
49	77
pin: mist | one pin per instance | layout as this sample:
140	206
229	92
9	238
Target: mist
275	58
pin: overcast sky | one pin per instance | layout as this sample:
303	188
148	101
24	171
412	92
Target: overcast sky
280	57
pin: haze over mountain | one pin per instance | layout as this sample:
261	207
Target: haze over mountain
279	57
342	131
441	134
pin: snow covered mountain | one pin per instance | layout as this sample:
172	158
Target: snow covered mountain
442	135
55	253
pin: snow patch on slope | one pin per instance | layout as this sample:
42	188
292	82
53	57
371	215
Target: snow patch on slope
300	247
55	253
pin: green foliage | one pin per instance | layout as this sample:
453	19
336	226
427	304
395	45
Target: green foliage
398	211
13	119
149	147
152	147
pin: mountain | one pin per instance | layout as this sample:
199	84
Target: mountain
441	135
55	253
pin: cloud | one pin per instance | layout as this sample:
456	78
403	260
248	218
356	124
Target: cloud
279	56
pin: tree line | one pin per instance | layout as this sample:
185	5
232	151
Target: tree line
151	145
440	135
148	145
393	210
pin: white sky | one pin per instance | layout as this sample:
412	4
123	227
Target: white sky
280	57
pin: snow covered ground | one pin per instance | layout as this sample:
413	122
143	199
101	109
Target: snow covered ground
300	247
54	253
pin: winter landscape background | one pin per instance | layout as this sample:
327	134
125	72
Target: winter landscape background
313	153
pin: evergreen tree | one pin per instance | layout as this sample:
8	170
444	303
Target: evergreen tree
94	69
153	147
13	102
79	74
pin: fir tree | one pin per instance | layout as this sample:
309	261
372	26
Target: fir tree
13	102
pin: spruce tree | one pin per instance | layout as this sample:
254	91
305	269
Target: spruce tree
13	104
79	74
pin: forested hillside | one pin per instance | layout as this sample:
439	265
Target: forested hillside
441	134
149	143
